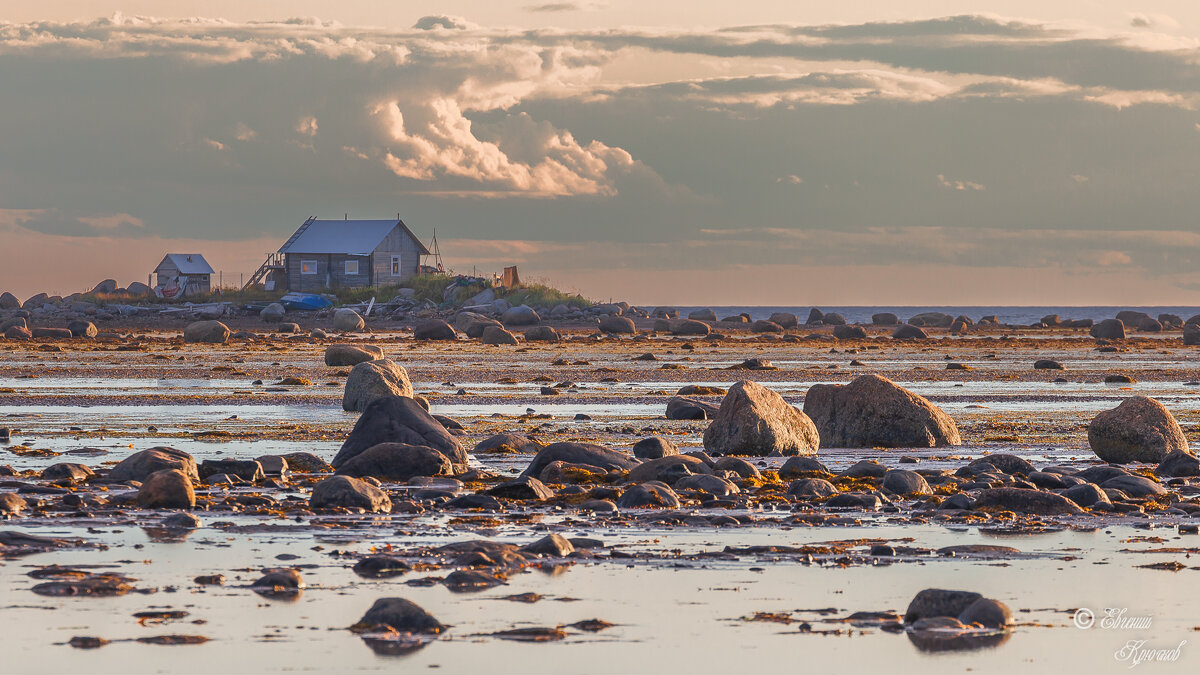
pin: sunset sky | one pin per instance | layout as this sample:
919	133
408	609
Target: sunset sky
685	152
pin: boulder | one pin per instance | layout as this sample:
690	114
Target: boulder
904	483
399	419
934	602
987	613
36	301
107	286
1047	364
247	469
1139	430
67	471
372	380
684	408
434	329
655	447
350	493
167	489
833	319
56	333
541	334
707	483
12	504
766	327
396	462
523	315
18	333
346	320
496	335
474	329
798	466
351	355
306	462
754	420
1149	325
139	290
212	332
139	465
667	469
885	319
507	443
849	332
1191	335
399	615
811	488
1178	463
1170	320
665	313
872	411
9	301
1109	329
649	495
931	320
1131	317
273	313
786	320
1086	495
83	329
907	332
1134	486
617	324
690	327
1022	500
579	453
698	315
523	488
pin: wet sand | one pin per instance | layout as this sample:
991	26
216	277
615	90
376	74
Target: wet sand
680	586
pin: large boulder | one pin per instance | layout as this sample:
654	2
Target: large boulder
434	329
346	320
400	615
541	334
397	462
496	335
273	313
523	315
106	286
702	315
885	319
754	420
399	419
1023	500
872	411
617	324
690	327
138	290
351	355
845	332
212	332
507	443
1109	329
579	453
1191	334
684	408
931	320
371	380
907	332
167	489
786	320
83	329
761	326
139	465
9	301
1139	430
933	602
351	493
475	328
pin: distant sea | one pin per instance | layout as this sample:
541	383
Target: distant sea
1006	315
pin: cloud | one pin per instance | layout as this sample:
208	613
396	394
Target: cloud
442	22
56	222
960	185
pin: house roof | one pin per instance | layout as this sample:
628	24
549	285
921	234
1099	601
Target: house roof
344	237
187	263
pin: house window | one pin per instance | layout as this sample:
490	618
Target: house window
351	267
395	265
308	267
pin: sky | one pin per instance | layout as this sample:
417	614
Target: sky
691	153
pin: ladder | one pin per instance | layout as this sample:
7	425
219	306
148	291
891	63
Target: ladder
274	261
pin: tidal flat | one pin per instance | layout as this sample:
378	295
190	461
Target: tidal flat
755	577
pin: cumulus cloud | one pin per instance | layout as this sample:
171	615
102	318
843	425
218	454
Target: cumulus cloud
961	185
443	22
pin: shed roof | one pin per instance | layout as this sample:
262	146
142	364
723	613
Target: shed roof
345	237
187	263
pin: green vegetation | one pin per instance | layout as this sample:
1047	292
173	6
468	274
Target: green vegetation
542	295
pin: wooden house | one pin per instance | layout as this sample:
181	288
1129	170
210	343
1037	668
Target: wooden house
182	275
325	254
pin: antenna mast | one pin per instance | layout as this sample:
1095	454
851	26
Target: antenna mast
437	252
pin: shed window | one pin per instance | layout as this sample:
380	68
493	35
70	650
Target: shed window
308	267
351	267
395	265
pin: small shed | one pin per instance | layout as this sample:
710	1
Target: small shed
325	254
182	275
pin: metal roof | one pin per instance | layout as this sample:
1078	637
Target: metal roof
344	237
188	263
